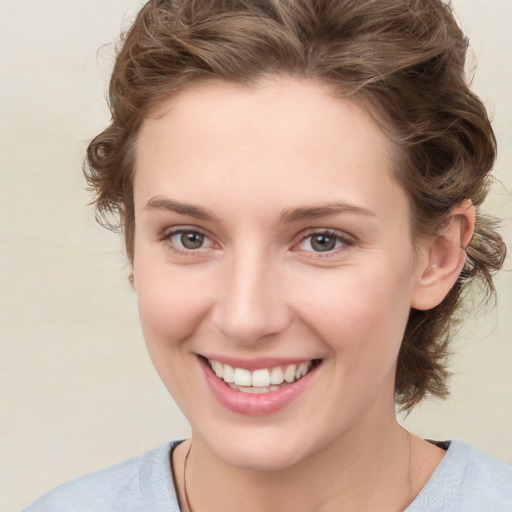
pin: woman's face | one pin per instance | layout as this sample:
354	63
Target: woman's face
270	234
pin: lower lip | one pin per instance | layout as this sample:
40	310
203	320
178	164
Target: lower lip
254	404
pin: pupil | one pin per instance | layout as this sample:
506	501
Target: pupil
323	243
192	240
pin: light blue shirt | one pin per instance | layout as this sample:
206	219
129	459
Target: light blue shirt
465	481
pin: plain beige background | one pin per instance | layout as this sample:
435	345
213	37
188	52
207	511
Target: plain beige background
77	390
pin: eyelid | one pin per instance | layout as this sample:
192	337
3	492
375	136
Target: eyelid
179	228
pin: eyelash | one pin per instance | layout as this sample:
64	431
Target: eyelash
345	241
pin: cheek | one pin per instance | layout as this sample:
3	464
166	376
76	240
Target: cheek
171	304
360	315
171	307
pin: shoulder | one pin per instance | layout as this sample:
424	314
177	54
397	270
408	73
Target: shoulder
486	480
140	484
466	481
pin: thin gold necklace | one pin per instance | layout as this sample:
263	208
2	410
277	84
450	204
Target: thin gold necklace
187	500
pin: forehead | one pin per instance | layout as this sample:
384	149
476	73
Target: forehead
286	141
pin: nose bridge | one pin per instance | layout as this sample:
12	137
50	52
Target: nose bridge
251	306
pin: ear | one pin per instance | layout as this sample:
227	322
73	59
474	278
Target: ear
443	258
131	279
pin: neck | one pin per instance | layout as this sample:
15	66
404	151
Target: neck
357	472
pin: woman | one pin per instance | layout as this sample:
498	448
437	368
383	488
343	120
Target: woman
299	184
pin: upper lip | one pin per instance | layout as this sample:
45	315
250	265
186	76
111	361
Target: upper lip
256	363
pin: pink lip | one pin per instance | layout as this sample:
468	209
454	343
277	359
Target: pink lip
254	404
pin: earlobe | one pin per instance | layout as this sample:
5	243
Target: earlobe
444	257
131	279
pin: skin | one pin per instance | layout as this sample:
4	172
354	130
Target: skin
257	287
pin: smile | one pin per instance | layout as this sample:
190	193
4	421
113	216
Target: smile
257	387
263	380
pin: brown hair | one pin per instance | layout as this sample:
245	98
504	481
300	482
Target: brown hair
403	59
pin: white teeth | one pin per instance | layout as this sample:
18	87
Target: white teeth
289	373
263	380
218	368
260	378
242	377
304	368
254	391
276	375
229	374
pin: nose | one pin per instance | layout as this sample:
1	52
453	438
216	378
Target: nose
250	305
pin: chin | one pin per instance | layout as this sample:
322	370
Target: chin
261	459
259	449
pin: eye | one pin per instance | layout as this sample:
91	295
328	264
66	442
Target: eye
189	239
186	240
324	241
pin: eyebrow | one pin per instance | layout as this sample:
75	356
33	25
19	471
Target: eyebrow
287	215
322	210
159	203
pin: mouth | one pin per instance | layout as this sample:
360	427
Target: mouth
261	380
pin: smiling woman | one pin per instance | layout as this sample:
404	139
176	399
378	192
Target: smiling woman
299	183
256	293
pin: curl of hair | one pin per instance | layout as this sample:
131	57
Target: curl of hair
402	60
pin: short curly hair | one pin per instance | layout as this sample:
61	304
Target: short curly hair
401	59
